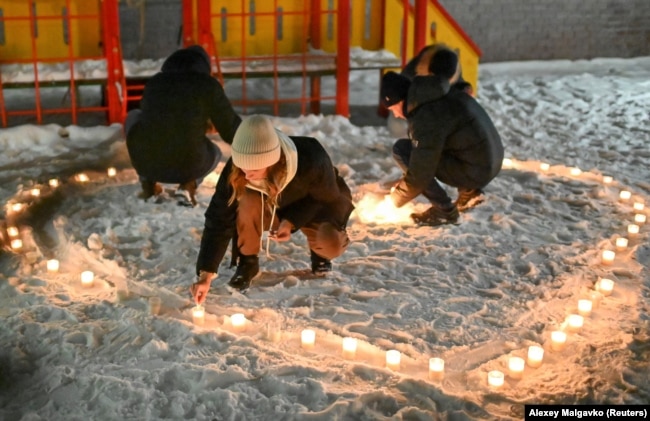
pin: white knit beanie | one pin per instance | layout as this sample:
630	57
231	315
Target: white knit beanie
256	144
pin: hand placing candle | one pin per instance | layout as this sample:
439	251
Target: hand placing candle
198	315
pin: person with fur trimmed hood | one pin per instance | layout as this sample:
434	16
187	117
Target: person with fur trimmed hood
276	183
166	138
452	140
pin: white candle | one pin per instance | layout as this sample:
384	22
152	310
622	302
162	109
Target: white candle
436	368
607	179
576	171
155	303
13	231
624	195
605	286
558	340
584	307
575	322
621	243
632	229
82	178
16	207
16	244
507	163
111	172
495	378
535	356
35	192
349	348
87	278
53	182
198	315
544	166
639	218
608	257
238	321
595	297
308	338
52	265
638	206
516	367
393	359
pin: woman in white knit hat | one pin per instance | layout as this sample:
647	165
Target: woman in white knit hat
278	183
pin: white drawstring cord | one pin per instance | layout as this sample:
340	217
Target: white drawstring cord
268	239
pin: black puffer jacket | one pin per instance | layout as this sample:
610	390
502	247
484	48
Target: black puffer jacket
169	143
449	130
315	194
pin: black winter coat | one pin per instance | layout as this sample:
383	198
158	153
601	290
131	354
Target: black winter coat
169	143
453	137
317	193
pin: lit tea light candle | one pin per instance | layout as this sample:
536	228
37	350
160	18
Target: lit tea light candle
308	338
584	307
544	166
13	231
558	340
605	286
393	358
638	206
608	179
535	356
576	171
621	243
436	368
608	257
16	244
595	297
35	192
87	278
52	265
198	315
516	367
238	321
507	163
53	182
575	322
112	172
633	229
495	378
82	177
624	195
349	348
16	207
639	218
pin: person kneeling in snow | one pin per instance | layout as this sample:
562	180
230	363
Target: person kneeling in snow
452	139
166	138
278	183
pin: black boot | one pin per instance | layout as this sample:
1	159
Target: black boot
247	269
320	265
436	215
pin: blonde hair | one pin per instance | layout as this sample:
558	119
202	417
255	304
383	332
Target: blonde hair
276	176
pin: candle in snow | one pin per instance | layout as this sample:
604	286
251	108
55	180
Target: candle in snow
53	182
621	243
436	368
495	378
624	195
111	172
82	178
608	257
639	218
607	179
393	359
52	265
544	166
13	231
535	356
35	192
507	163
308	338
16	244
516	367
638	206
633	229
605	286
595	297
576	171
238	321
349	347
584	307
198	315
558	340
87	278
17	207
575	322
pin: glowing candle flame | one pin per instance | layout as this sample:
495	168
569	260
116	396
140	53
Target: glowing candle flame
632	229
544	166
608	179
621	243
12	231
639	206
624	195
308	338
495	378
371	209
535	356
35	192
238	321
87	278
198	315
576	171
558	340
393	358
82	178
436	367
639	218
54	182
111	172
516	367
349	347
52	265
605	286
584	307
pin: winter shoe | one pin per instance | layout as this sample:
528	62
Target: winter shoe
320	265
149	189
436	215
468	198
248	269
186	194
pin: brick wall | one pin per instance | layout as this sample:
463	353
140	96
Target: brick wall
505	30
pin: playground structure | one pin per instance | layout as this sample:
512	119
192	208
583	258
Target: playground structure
279	42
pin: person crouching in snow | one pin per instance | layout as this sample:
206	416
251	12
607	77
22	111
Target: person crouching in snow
452	139
277	183
166	138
